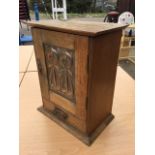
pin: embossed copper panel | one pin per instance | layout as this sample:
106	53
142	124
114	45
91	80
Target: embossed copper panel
61	70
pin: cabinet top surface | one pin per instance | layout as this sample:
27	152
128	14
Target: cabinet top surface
86	28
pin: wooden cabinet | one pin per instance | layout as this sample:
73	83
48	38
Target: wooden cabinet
77	64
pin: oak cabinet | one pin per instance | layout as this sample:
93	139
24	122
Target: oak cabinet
77	64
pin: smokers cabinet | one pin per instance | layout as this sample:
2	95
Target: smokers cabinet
77	63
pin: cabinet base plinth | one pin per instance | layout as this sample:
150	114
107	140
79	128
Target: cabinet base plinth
87	139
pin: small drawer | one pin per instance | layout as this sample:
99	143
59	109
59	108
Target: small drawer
64	116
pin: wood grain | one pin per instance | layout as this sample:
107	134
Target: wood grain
64	103
77	27
82	51
59	39
40	60
104	52
71	119
79	45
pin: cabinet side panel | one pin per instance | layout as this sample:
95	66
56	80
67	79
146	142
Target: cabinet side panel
104	52
40	60
81	75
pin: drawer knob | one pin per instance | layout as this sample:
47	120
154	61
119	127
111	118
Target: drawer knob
59	114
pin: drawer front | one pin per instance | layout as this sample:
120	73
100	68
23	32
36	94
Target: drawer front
64	116
63	69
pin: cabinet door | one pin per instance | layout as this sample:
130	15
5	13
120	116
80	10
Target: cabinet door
62	67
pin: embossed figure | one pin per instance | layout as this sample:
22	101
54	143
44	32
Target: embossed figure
66	77
53	67
60	65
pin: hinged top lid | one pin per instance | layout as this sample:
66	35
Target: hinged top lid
86	28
